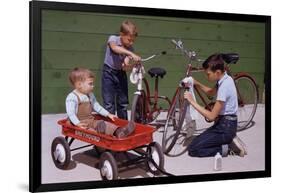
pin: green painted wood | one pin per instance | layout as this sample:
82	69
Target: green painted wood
97	43
71	21
72	39
58	14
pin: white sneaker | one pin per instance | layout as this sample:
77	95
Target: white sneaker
237	147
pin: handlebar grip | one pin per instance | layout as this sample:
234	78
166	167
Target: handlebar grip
174	42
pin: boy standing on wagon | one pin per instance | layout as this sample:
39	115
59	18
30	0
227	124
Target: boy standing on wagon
221	137
114	78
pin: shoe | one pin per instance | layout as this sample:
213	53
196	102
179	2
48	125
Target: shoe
100	128
243	145
125	131
237	147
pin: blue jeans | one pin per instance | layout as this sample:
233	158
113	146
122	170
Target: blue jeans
214	139
115	91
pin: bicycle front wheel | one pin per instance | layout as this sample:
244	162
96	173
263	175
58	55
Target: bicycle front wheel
138	108
172	128
247	93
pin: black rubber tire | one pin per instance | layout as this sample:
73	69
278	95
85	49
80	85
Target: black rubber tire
154	146
177	122
61	165
138	108
107	157
254	96
184	148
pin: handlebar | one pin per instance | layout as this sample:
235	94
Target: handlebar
191	55
152	56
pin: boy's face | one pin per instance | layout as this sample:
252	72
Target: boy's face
85	87
213	76
127	40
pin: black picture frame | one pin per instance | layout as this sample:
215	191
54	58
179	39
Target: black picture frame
36	7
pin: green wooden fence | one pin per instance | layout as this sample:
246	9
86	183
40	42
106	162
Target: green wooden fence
71	39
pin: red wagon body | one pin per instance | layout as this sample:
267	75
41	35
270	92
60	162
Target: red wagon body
141	136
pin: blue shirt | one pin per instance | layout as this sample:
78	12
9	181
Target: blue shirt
113	59
227	93
71	104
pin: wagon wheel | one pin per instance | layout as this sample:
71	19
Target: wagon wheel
154	151
60	151
108	167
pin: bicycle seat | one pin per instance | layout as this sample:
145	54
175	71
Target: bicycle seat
157	72
230	58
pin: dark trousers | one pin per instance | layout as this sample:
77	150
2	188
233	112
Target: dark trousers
115	91
213	139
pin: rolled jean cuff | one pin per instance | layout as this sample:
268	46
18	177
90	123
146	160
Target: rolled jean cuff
224	150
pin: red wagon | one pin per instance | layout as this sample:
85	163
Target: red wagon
141	142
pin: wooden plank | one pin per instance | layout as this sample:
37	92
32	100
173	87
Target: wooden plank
56	13
97	43
148	27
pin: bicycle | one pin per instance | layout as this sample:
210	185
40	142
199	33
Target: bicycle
247	106
145	107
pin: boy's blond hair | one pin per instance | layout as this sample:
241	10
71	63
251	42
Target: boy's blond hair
80	74
129	28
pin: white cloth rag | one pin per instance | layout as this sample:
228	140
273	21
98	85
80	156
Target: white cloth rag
191	113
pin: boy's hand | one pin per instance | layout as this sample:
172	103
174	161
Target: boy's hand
82	125
195	82
135	57
188	96
126	66
111	116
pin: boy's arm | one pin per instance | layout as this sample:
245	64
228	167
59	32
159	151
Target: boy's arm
120	50
97	107
211	115
209	91
71	105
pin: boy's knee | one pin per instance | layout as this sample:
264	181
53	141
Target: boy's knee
192	152
191	148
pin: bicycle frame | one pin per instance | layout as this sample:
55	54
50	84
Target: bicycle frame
150	113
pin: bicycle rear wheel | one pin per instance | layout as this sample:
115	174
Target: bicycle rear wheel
138	108
175	118
247	93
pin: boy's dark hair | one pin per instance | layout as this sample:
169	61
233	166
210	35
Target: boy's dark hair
79	74
214	62
129	28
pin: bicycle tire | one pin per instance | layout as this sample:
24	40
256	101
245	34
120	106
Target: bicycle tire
180	146
247	105
138	108
175	117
